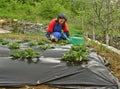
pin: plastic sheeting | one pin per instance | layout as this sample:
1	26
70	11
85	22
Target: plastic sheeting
50	70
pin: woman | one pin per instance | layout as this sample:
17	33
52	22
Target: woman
57	28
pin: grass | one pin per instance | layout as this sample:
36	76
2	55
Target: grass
19	36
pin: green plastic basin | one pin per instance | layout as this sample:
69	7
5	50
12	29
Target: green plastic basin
76	40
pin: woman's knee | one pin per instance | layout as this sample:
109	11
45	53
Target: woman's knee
57	35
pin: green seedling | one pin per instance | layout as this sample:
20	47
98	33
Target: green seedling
41	42
44	47
77	53
32	43
18	54
14	45
1	40
4	42
31	54
25	54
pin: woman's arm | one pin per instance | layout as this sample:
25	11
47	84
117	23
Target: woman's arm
51	26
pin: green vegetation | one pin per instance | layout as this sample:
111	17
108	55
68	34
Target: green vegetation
31	54
44	47
25	54
41	42
42	11
77	53
32	43
1	40
14	45
4	41
88	17
102	47
18	54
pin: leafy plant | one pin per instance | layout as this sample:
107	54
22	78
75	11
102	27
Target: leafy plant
32	43
44	47
18	54
1	40
14	45
27	53
77	47
4	42
77	53
31	54
40	42
62	42
69	56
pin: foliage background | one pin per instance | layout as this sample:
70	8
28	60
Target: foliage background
83	15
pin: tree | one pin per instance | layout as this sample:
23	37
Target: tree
104	12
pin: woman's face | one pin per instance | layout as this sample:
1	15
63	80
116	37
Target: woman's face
61	20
